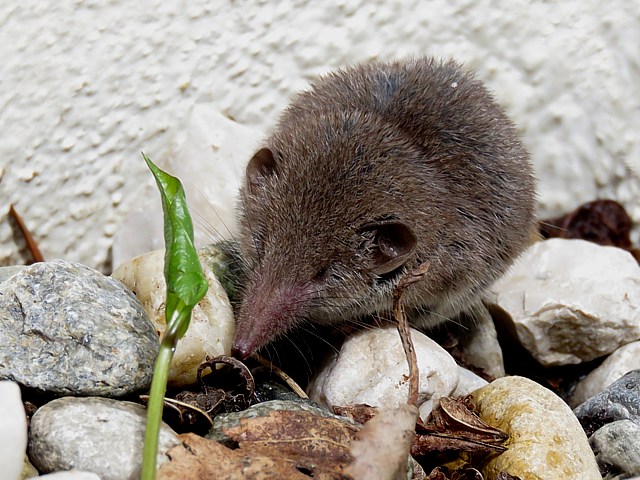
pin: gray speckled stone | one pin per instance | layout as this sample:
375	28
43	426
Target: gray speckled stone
93	434
617	447
68	329
619	401
8	272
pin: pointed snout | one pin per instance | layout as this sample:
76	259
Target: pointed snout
266	313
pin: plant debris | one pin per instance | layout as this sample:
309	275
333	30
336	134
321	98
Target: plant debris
360	412
404	331
32	246
453	426
604	222
313	442
197	458
223	390
464	473
381	450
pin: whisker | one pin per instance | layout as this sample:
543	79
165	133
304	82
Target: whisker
203	223
311	330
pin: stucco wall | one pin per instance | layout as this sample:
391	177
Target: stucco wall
86	85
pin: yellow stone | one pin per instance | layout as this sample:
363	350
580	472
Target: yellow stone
546	440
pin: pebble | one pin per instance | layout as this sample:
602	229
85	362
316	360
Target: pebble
371	368
28	470
8	272
619	401
571	301
212	323
99	435
272	390
70	475
480	345
13	431
68	329
617	446
546	440
623	360
469	382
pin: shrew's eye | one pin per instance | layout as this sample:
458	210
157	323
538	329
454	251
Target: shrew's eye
321	274
327	273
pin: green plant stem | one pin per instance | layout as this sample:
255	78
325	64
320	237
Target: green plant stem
186	285
154	409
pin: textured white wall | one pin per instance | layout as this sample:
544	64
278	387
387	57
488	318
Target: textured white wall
86	85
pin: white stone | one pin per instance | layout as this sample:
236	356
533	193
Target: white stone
572	301
13	431
469	382
209	157
70	475
621	361
546	440
616	444
212	323
371	368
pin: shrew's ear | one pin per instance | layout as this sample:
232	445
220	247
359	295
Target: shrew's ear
393	244
261	166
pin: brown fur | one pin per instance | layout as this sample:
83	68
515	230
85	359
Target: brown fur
418	145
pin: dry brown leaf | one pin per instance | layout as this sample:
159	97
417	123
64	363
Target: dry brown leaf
197	458
455	416
382	448
454	427
314	444
604	222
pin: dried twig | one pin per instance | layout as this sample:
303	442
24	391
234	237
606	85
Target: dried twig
403	329
32	246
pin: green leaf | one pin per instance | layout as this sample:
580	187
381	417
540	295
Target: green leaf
186	285
182	270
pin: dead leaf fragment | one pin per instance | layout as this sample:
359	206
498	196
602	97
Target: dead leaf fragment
452	426
455	416
238	378
359	412
229	387
604	222
313	444
197	458
381	450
